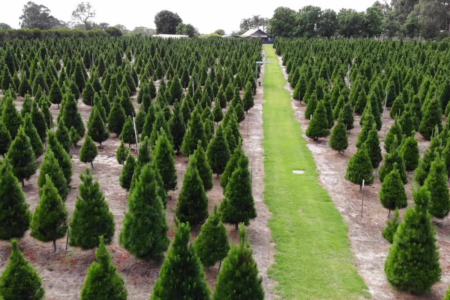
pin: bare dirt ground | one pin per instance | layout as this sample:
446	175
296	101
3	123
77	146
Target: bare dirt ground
63	272
368	245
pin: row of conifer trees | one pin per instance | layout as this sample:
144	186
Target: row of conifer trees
407	82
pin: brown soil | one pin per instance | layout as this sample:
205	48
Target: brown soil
63	272
365	225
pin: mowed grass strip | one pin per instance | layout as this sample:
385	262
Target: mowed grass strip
313	259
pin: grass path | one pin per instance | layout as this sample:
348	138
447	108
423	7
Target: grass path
313	259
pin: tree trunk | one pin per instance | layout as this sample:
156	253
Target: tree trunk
389	214
54	245
220	265
92	165
23	183
236	226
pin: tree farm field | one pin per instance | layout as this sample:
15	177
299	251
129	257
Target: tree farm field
63	272
366	218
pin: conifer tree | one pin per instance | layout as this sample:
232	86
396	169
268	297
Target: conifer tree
339	137
78	76
50	167
218	152
39	122
398	107
11	118
238	205
49	221
160	123
347	115
360	167
436	183
392	194
407	123
164	160
395	132
27	105
20	280
48	118
203	167
300	88
14	214
311	106
410	153
5	140
21	157
217	112
318	126
61	156
55	95
391	228
127	106
88	94
74	136
177	127
102	280
361	102
91	218
248	99
329	111
181	275
116	118
413	261
194	133
88	151
239	277
122	153
192	204
373	147
24	87
127	172
390	160
144	232
367	126
432	117
71	115
338	107
128	134
96	127
35	139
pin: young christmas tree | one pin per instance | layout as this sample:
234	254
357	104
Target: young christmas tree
96	127
177	127
373	147
311	106
239	277
238	205
63	136
339	137
49	221
144	232
55	95
102	280
413	261
88	151
395	132
432	117
128	135
164	160
21	157
71	115
204	168
181	275
248	97
391	228
436	183
116	118
392	194
218	152
88	94
212	243
410	153
14	214
127	172
393	158
122	153
74	137
50	167
27	105
127	106
5	140
61	156
360	167
192	204
20	280
10	117
195	133
318	126
231	165
347	115
217	112
91	218
35	139
48	118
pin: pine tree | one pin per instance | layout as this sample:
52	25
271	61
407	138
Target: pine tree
24	87
329	111
436	183
91	218
413	261
88	94
361	102
392	194
62	135
50	167
347	115
410	153
407	123
5	140
181	275
102	280
177	127
164	160
71	115
373	147
78	76
432	117
239	277
391	228
55	95
127	106
46	113
127	172
122	153
398	107
318	126
22	157
128	134
238	205
311	106
74	136
96	128
394	133
88	151
61	156
212	243
140	119
231	166
248	99
35	139
218	152
116	118
360	167
195	133
390	160
11	118
217	112
39	122
203	167
369	122
339	137
27	105
300	88
49	221
423	169
20	280
144	232
14	214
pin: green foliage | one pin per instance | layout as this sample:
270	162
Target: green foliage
339	137
413	261
102	280
35	139
21	156
360	167
88	151
71	115
177	127
61	156
390	160
410	153
5	139
127	172
144	231
218	152
122	153
392	194
347	115
91	218
50	168
239	277
432	117
116	118
29	286
318	126
49	221
96	127
373	147
128	134
11	118
181	275
195	133
55	95
164	160
394	133
391	228
436	183
63	136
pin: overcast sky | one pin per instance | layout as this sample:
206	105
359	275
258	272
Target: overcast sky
206	15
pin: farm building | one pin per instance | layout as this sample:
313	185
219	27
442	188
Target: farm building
257	33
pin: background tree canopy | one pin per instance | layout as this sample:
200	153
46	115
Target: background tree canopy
166	22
